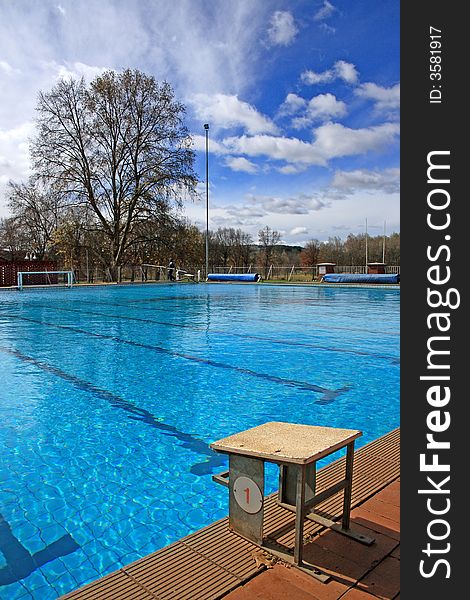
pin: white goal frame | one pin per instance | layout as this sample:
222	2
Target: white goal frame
68	273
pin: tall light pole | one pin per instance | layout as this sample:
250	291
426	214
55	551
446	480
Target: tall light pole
206	127
383	245
367	259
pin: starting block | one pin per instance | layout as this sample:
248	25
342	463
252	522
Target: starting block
296	450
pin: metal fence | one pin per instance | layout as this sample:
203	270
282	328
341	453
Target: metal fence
296	273
152	273
126	274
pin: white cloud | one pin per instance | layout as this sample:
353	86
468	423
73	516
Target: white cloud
298	231
348	182
278	148
312	78
332	140
291	105
221	220
325	11
322	107
206	54
290	215
215	147
293	206
340	70
197	50
61	9
301	204
75	70
326	105
292	169
6	68
384	98
240	164
14	151
224	111
327	28
249	210
283	28
317	204
346	71
14	157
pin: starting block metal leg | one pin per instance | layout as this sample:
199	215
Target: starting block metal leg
300	494
348	486
345	522
299	516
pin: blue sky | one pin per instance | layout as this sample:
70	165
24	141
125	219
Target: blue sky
302	98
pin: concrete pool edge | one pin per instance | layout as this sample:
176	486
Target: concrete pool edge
372	286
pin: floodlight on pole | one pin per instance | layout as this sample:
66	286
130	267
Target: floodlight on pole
206	127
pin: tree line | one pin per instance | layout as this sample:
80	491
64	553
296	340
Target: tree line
353	251
40	229
112	165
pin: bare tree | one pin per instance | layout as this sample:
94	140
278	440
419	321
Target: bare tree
189	247
392	249
230	246
36	211
268	239
309	255
333	251
119	146
13	241
243	248
223	240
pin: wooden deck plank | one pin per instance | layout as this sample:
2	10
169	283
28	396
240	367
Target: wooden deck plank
116	586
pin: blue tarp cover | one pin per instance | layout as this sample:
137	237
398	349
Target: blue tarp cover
350	278
232	277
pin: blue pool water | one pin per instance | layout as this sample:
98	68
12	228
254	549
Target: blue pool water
111	395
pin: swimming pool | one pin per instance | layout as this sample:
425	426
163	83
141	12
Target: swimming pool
110	397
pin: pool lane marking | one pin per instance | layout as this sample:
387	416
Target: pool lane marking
270	320
136	413
327	394
20	562
156	308
267	300
394	360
